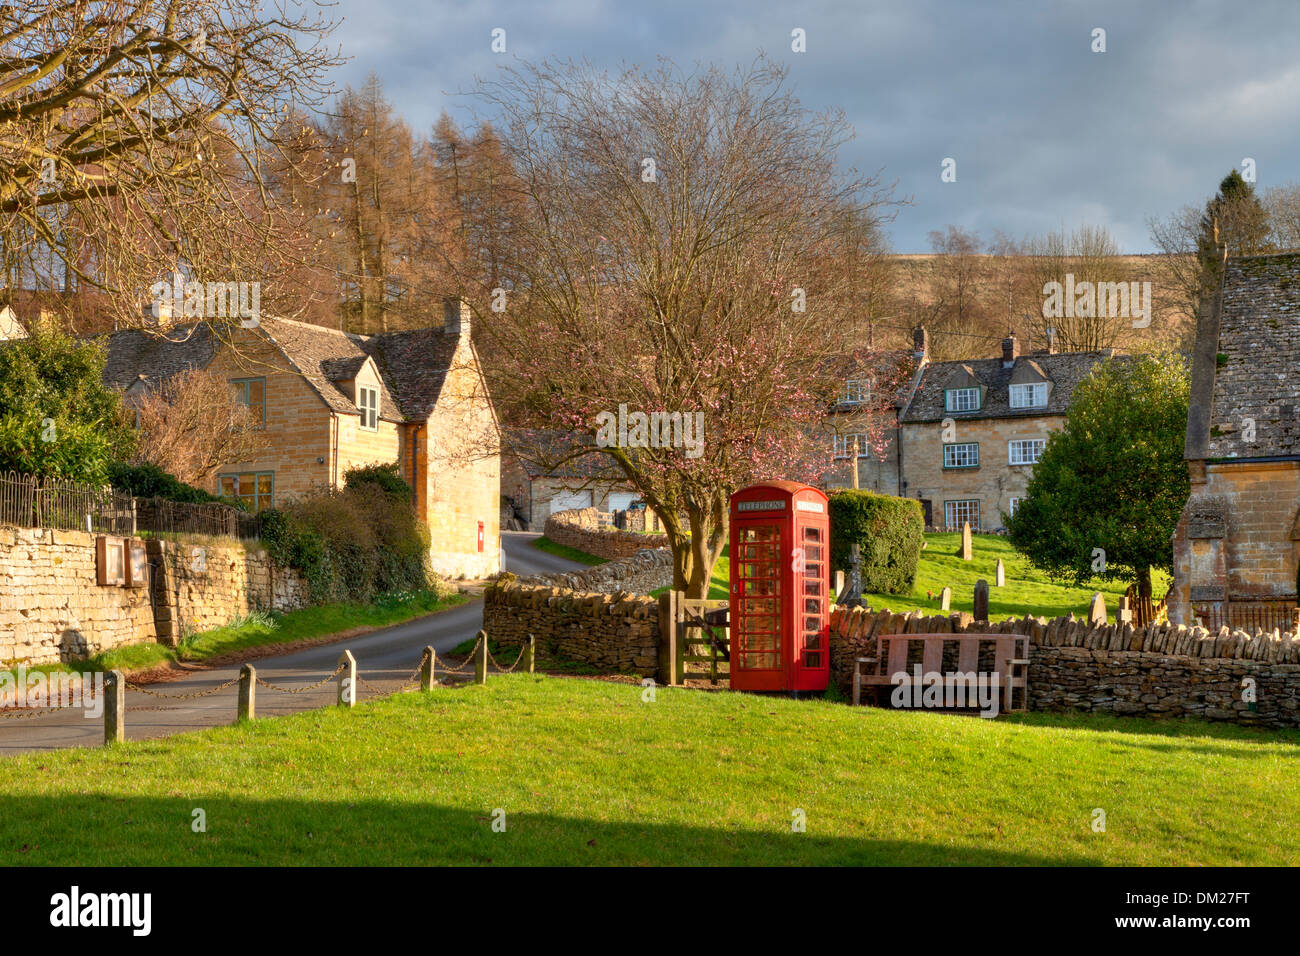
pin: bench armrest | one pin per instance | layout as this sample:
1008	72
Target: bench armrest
1019	660
867	660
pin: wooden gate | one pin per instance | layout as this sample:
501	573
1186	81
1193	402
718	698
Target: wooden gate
693	639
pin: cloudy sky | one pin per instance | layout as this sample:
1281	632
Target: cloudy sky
1045	132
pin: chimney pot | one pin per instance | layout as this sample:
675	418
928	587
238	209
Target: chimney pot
1010	350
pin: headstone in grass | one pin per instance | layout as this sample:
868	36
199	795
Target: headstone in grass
1097	609
1125	613
945	599
981	600
967	550
1000	579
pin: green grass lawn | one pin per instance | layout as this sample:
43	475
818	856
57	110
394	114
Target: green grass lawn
1028	591
586	773
263	629
564	551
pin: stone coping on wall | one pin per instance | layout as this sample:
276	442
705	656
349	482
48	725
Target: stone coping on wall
580	529
641	573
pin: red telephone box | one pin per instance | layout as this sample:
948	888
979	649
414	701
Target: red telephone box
779	619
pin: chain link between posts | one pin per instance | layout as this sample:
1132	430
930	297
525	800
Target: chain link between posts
191	696
300	690
441	666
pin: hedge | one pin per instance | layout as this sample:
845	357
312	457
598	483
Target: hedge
889	532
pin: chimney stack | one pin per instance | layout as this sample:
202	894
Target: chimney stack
920	344
1051	341
1010	350
456	316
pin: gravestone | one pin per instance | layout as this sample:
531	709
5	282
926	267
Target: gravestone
1000	579
967	550
981	600
945	598
1125	613
1097	609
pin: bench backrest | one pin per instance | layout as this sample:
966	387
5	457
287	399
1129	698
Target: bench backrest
894	655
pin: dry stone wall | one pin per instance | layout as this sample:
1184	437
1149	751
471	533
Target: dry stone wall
615	632
581	529
52	607
642	573
1160	670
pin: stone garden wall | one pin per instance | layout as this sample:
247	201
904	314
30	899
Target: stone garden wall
1161	670
581	529
1115	668
612	632
52	608
642	573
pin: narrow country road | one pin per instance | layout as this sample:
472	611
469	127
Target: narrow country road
385	659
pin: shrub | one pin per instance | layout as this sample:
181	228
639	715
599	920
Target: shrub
351	545
889	532
387	478
150	481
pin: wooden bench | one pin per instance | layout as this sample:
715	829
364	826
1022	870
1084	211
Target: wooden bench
1010	662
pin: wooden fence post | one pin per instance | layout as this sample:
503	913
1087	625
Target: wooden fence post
247	693
347	680
668	663
530	653
114	708
426	670
480	658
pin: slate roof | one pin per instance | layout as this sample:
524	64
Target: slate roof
326	358
412	365
1064	370
132	353
1250	369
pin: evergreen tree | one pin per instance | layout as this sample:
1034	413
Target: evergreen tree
1110	486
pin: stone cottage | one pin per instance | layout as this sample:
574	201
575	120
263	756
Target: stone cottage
972	431
1237	544
331	401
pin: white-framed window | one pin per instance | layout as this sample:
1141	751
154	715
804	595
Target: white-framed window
957	513
961	399
843	443
857	391
1031	395
1025	451
368	403
964	455
1012	505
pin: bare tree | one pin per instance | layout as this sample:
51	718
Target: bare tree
134	136
191	425
680	250
1282	204
1086	255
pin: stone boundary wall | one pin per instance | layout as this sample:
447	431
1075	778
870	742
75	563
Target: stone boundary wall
642	573
613	632
1160	670
581	529
52	608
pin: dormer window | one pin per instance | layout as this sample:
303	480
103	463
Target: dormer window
1030	395
857	391
368	403
961	399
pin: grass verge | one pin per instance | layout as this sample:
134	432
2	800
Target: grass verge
261	629
564	551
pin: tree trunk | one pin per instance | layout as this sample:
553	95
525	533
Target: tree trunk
1144	582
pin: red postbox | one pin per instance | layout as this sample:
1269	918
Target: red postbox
779	619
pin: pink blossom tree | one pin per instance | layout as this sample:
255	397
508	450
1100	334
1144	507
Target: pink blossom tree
687	245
